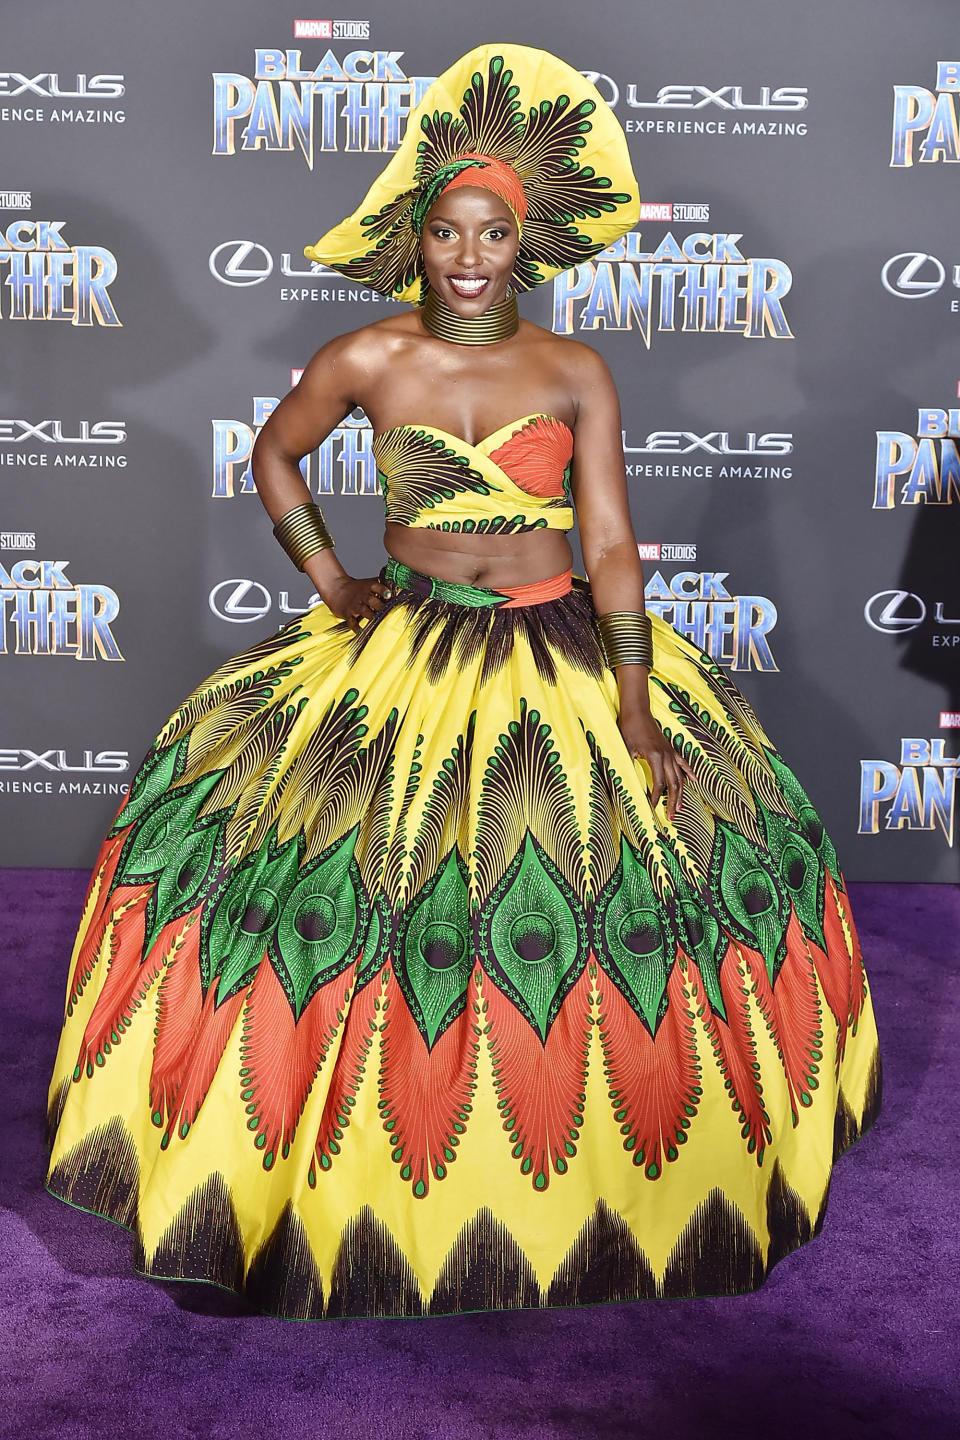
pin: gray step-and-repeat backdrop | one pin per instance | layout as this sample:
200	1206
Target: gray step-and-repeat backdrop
783	326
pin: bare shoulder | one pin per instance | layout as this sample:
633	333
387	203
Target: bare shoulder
582	365
366	353
576	368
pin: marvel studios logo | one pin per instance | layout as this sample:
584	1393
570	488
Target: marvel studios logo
16	199
667	552
675	212
331	29
18	540
950	719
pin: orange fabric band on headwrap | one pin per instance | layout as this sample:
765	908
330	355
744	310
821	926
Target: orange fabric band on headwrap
489	173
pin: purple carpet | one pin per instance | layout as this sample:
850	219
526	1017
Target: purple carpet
855	1335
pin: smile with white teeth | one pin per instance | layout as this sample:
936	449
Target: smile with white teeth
468	286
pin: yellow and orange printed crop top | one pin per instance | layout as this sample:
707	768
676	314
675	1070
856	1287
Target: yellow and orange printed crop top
516	479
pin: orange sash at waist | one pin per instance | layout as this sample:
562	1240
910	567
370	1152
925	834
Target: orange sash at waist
537	592
504	597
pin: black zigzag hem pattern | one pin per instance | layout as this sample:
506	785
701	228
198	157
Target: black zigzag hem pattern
716	1254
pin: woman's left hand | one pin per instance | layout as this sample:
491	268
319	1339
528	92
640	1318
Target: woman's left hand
646	741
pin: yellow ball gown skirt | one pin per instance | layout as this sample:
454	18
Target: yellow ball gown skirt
394	996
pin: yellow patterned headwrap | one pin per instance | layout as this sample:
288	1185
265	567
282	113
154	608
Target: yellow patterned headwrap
518	110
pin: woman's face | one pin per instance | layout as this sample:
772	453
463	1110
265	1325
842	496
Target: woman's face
469	244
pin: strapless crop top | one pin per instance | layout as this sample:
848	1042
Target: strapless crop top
516	479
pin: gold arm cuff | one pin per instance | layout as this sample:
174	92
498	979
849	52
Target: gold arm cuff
626	637
302	533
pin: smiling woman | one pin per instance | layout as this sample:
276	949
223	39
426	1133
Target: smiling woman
469	247
467	944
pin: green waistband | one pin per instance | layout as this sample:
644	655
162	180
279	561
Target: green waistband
473	595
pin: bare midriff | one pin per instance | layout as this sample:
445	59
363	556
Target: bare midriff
486	560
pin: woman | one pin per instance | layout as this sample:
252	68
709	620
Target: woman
466	944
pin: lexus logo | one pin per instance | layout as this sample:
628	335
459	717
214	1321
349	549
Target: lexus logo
607	86
894	612
240	262
913	275
240	601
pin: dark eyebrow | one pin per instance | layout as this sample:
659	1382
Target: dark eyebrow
488	220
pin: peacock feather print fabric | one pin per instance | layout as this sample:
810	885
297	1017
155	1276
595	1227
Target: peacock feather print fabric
393	996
